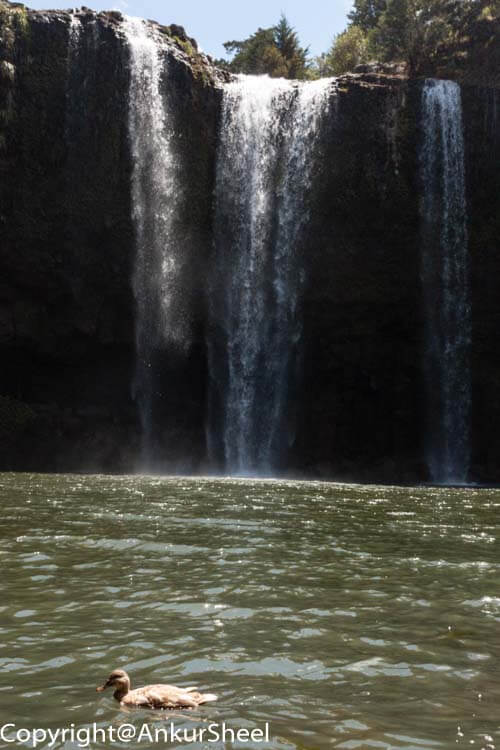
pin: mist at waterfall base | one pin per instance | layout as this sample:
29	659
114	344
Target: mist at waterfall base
268	151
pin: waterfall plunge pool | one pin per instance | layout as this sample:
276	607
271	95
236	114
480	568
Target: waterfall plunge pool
345	616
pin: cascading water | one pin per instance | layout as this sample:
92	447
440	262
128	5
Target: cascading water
155	198
264	169
75	27
74	34
446	283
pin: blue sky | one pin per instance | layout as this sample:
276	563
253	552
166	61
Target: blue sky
212	22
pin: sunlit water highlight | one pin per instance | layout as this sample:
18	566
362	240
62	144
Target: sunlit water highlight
347	617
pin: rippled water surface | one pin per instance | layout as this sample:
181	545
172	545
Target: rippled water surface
345	616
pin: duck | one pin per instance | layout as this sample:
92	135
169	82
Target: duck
153	696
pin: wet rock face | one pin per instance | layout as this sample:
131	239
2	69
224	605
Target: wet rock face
482	138
363	399
67	307
66	232
362	315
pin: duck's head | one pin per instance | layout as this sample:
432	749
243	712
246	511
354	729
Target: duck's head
118	679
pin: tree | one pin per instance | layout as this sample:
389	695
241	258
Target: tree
275	51
320	67
250	53
348	50
413	30
287	42
421	33
393	36
366	13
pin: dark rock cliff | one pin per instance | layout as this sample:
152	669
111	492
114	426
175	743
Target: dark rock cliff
362	315
482	153
67	238
67	252
364	402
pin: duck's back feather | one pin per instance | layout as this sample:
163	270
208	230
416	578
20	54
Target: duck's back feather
166	696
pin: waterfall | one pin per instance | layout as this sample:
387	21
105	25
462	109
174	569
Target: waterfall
155	201
446	283
264	169
74	34
75	28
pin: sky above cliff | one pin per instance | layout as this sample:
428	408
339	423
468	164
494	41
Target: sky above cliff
212	22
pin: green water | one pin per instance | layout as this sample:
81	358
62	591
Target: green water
345	616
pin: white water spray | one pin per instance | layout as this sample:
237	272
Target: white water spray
155	199
265	162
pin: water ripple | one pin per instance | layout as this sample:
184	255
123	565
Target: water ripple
345	616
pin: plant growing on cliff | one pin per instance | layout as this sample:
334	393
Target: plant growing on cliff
185	46
13	20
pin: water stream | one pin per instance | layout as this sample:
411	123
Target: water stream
445	278
155	200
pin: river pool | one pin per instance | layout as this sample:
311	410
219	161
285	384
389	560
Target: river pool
341	616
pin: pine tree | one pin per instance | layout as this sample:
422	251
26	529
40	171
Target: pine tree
275	51
287	43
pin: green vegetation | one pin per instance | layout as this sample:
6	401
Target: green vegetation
13	17
13	22
185	45
348	50
410	31
413	32
275	51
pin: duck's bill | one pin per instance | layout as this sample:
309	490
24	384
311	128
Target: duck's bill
100	688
